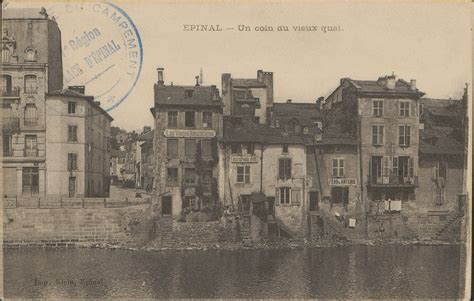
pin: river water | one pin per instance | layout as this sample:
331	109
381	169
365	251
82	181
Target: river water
337	272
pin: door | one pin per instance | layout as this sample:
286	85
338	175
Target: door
72	187
313	201
271	205
166	205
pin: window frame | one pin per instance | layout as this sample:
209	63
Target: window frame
30	89
338	168
71	107
286	173
284	195
243	174
186	154
72	134
186	170
170	180
169	119
378	134
186	119
404	140
405	111
169	155
379	108
72	162
209	123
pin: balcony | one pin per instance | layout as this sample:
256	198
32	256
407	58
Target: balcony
10	123
392	181
11	93
31	121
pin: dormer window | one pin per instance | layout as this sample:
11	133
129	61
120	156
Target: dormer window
189	93
30	55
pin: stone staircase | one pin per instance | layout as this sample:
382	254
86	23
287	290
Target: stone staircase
164	231
245	234
446	233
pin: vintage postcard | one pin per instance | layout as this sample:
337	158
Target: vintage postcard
237	149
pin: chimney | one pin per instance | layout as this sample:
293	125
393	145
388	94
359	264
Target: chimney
288	101
160	76
197	80
390	82
319	102
413	84
78	89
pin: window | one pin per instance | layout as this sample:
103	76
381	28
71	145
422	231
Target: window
305	130
404	132
377	107
189	93
72	133
71	161
257	119
30	180
284	168
172	148
30	55
190	148
172	119
243	174
250	148
284	195
31	117
338	168
190	175
377	134
206	149
236	149
7	146
71	107
172	175
31	145
6	83
189	119
404	108
285	149
340	195
207	120
31	85
440	170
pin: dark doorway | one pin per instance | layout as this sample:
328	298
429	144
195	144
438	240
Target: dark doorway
72	187
313	201
271	205
166	205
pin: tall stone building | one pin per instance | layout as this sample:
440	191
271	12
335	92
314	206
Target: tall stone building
31	67
77	145
384	115
248	96
188	124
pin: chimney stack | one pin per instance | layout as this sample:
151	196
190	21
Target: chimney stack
391	82
413	84
288	101
160	76
319	102
197	80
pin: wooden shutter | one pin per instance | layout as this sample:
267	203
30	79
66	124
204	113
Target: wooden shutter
281	168
277	195
296	196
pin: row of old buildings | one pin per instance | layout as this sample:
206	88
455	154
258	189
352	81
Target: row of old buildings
367	144
56	140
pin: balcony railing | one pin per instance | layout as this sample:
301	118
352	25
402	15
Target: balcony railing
10	123
14	92
31	152
31	121
392	180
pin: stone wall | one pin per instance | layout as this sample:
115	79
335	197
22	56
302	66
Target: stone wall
62	227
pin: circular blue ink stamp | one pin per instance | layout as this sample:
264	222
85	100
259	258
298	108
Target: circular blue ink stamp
101	49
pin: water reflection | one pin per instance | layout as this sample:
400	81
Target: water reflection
342	272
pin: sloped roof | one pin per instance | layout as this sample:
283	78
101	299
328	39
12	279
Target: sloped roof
248	131
378	87
70	93
300	110
248	83
148	136
176	95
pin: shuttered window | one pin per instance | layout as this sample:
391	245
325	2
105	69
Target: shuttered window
172	148
284	168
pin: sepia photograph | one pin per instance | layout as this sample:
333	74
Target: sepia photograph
236	149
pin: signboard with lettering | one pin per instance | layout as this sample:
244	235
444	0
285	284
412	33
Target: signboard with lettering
243	159
189	133
342	182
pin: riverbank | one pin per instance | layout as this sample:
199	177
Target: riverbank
272	245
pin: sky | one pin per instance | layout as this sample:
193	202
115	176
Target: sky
427	42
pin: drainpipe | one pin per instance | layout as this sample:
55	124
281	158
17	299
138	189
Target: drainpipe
362	178
261	168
